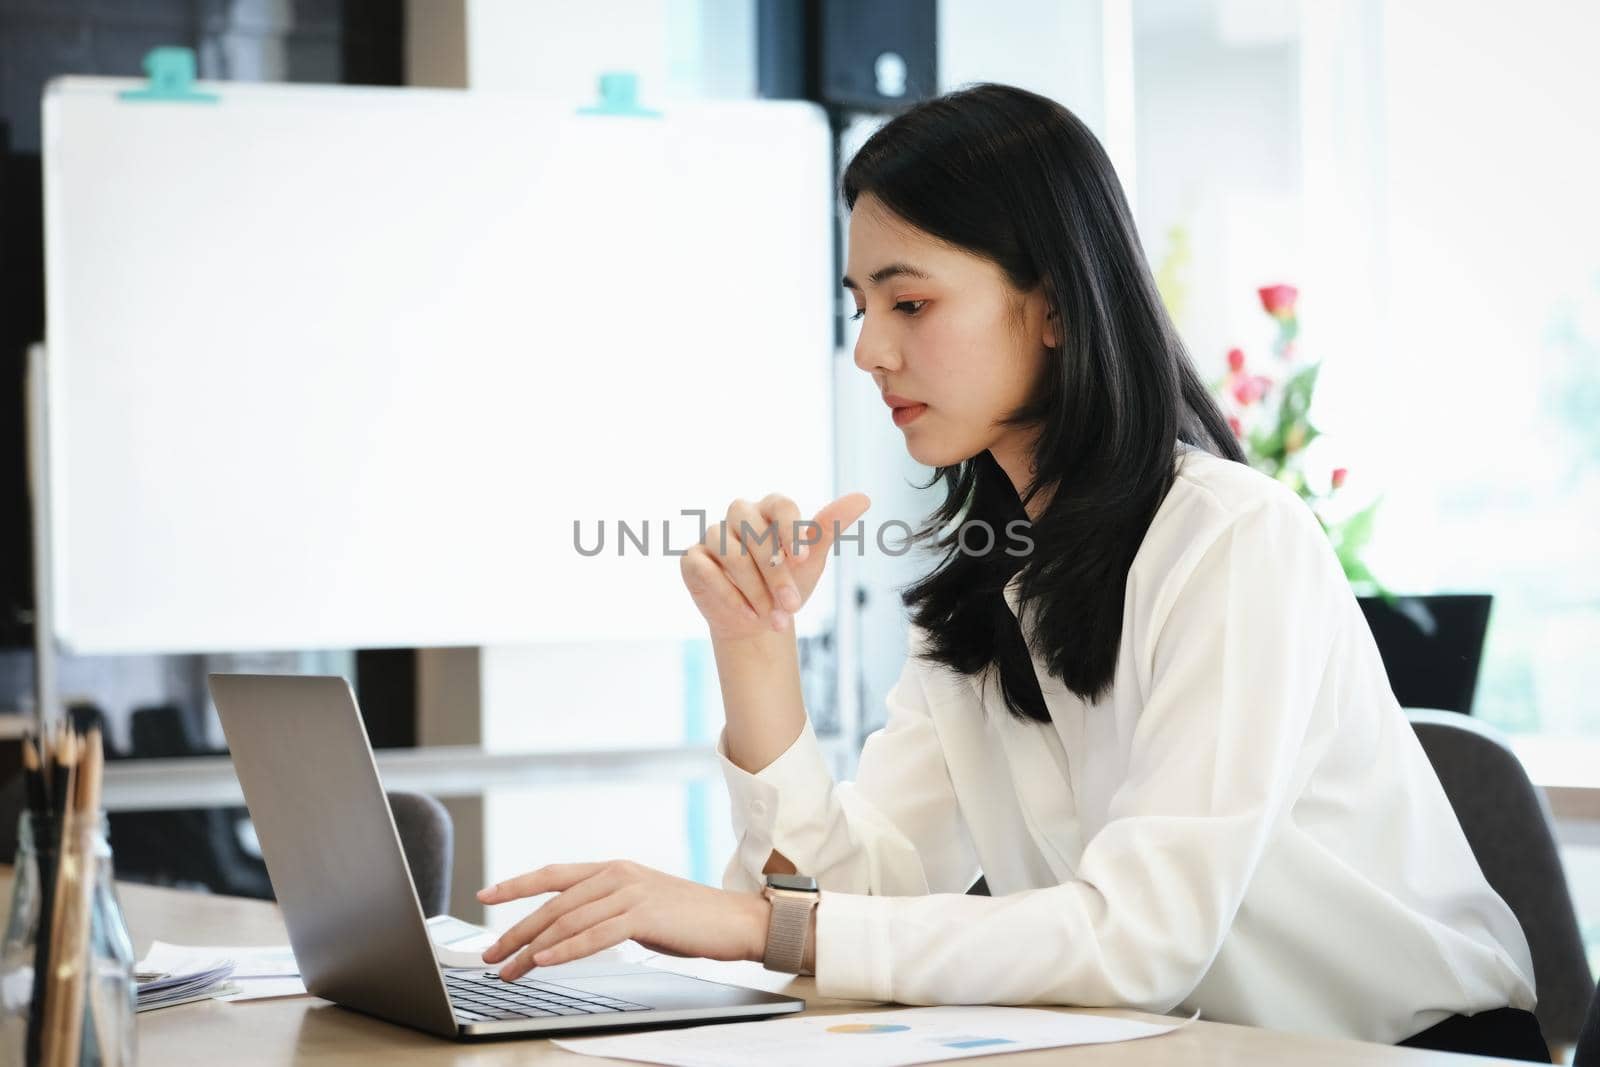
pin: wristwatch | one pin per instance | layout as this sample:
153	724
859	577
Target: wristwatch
792	896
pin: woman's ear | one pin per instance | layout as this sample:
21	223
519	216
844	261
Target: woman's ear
1035	301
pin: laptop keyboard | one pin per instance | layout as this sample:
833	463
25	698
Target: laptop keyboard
488	999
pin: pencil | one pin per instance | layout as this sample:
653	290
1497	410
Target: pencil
61	757
94	760
63	970
53	774
33	774
77	914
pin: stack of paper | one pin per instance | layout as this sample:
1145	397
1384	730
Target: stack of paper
258	971
163	990
262	971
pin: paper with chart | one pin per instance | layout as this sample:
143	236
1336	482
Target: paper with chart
869	1039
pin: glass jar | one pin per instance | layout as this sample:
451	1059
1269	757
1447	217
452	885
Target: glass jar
110	994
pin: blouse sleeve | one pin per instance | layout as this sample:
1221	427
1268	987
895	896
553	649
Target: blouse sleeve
1235	669
896	829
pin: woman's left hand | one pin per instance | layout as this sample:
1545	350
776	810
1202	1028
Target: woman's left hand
603	904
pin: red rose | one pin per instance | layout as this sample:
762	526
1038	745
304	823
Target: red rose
1278	300
1236	359
1250	389
1235	425
1339	475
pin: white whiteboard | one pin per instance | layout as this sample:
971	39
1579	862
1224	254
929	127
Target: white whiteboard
340	367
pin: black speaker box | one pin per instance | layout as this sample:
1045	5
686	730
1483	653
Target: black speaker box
861	55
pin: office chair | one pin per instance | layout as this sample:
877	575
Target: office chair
1507	822
427	838
195	846
1588	1050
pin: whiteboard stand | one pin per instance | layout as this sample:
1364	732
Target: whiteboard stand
46	697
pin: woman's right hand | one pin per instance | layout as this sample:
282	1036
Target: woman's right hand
729	575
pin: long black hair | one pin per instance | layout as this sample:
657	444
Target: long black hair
1018	179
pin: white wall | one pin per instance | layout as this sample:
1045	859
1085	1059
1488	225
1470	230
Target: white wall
1077	52
1218	145
678	48
1491	388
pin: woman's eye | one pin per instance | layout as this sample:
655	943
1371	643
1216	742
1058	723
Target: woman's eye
903	306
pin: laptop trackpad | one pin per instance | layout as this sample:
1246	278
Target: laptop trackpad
585	968
665	990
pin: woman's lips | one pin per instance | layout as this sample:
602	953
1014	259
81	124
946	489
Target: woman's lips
908	413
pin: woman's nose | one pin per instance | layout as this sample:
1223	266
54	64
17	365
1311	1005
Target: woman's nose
874	352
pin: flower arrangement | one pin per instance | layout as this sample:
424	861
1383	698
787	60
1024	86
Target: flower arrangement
1269	408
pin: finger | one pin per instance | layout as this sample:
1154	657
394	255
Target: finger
611	932
761	540
838	515
807	533
711	587
737	561
785	516
737	566
529	927
824	529
760	536
549	879
570	925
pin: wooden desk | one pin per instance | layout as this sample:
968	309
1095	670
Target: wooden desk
305	1030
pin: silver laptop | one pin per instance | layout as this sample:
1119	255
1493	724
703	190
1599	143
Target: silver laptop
354	921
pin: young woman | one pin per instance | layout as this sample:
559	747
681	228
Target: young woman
1140	699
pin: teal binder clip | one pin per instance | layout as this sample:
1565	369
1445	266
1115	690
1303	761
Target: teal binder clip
619	95
171	70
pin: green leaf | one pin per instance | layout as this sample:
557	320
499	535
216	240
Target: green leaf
1356	531
1267	448
1355	570
1297	392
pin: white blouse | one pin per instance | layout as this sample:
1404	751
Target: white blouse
1246	825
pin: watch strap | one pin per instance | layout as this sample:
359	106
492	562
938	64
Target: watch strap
787	929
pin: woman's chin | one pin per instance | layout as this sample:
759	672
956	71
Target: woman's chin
933	453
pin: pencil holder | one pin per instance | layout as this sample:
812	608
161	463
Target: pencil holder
67	990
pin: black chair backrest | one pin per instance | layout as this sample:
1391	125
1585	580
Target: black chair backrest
427	838
1587	1053
1507	822
162	732
1431	646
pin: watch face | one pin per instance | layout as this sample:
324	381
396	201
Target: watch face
797	882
